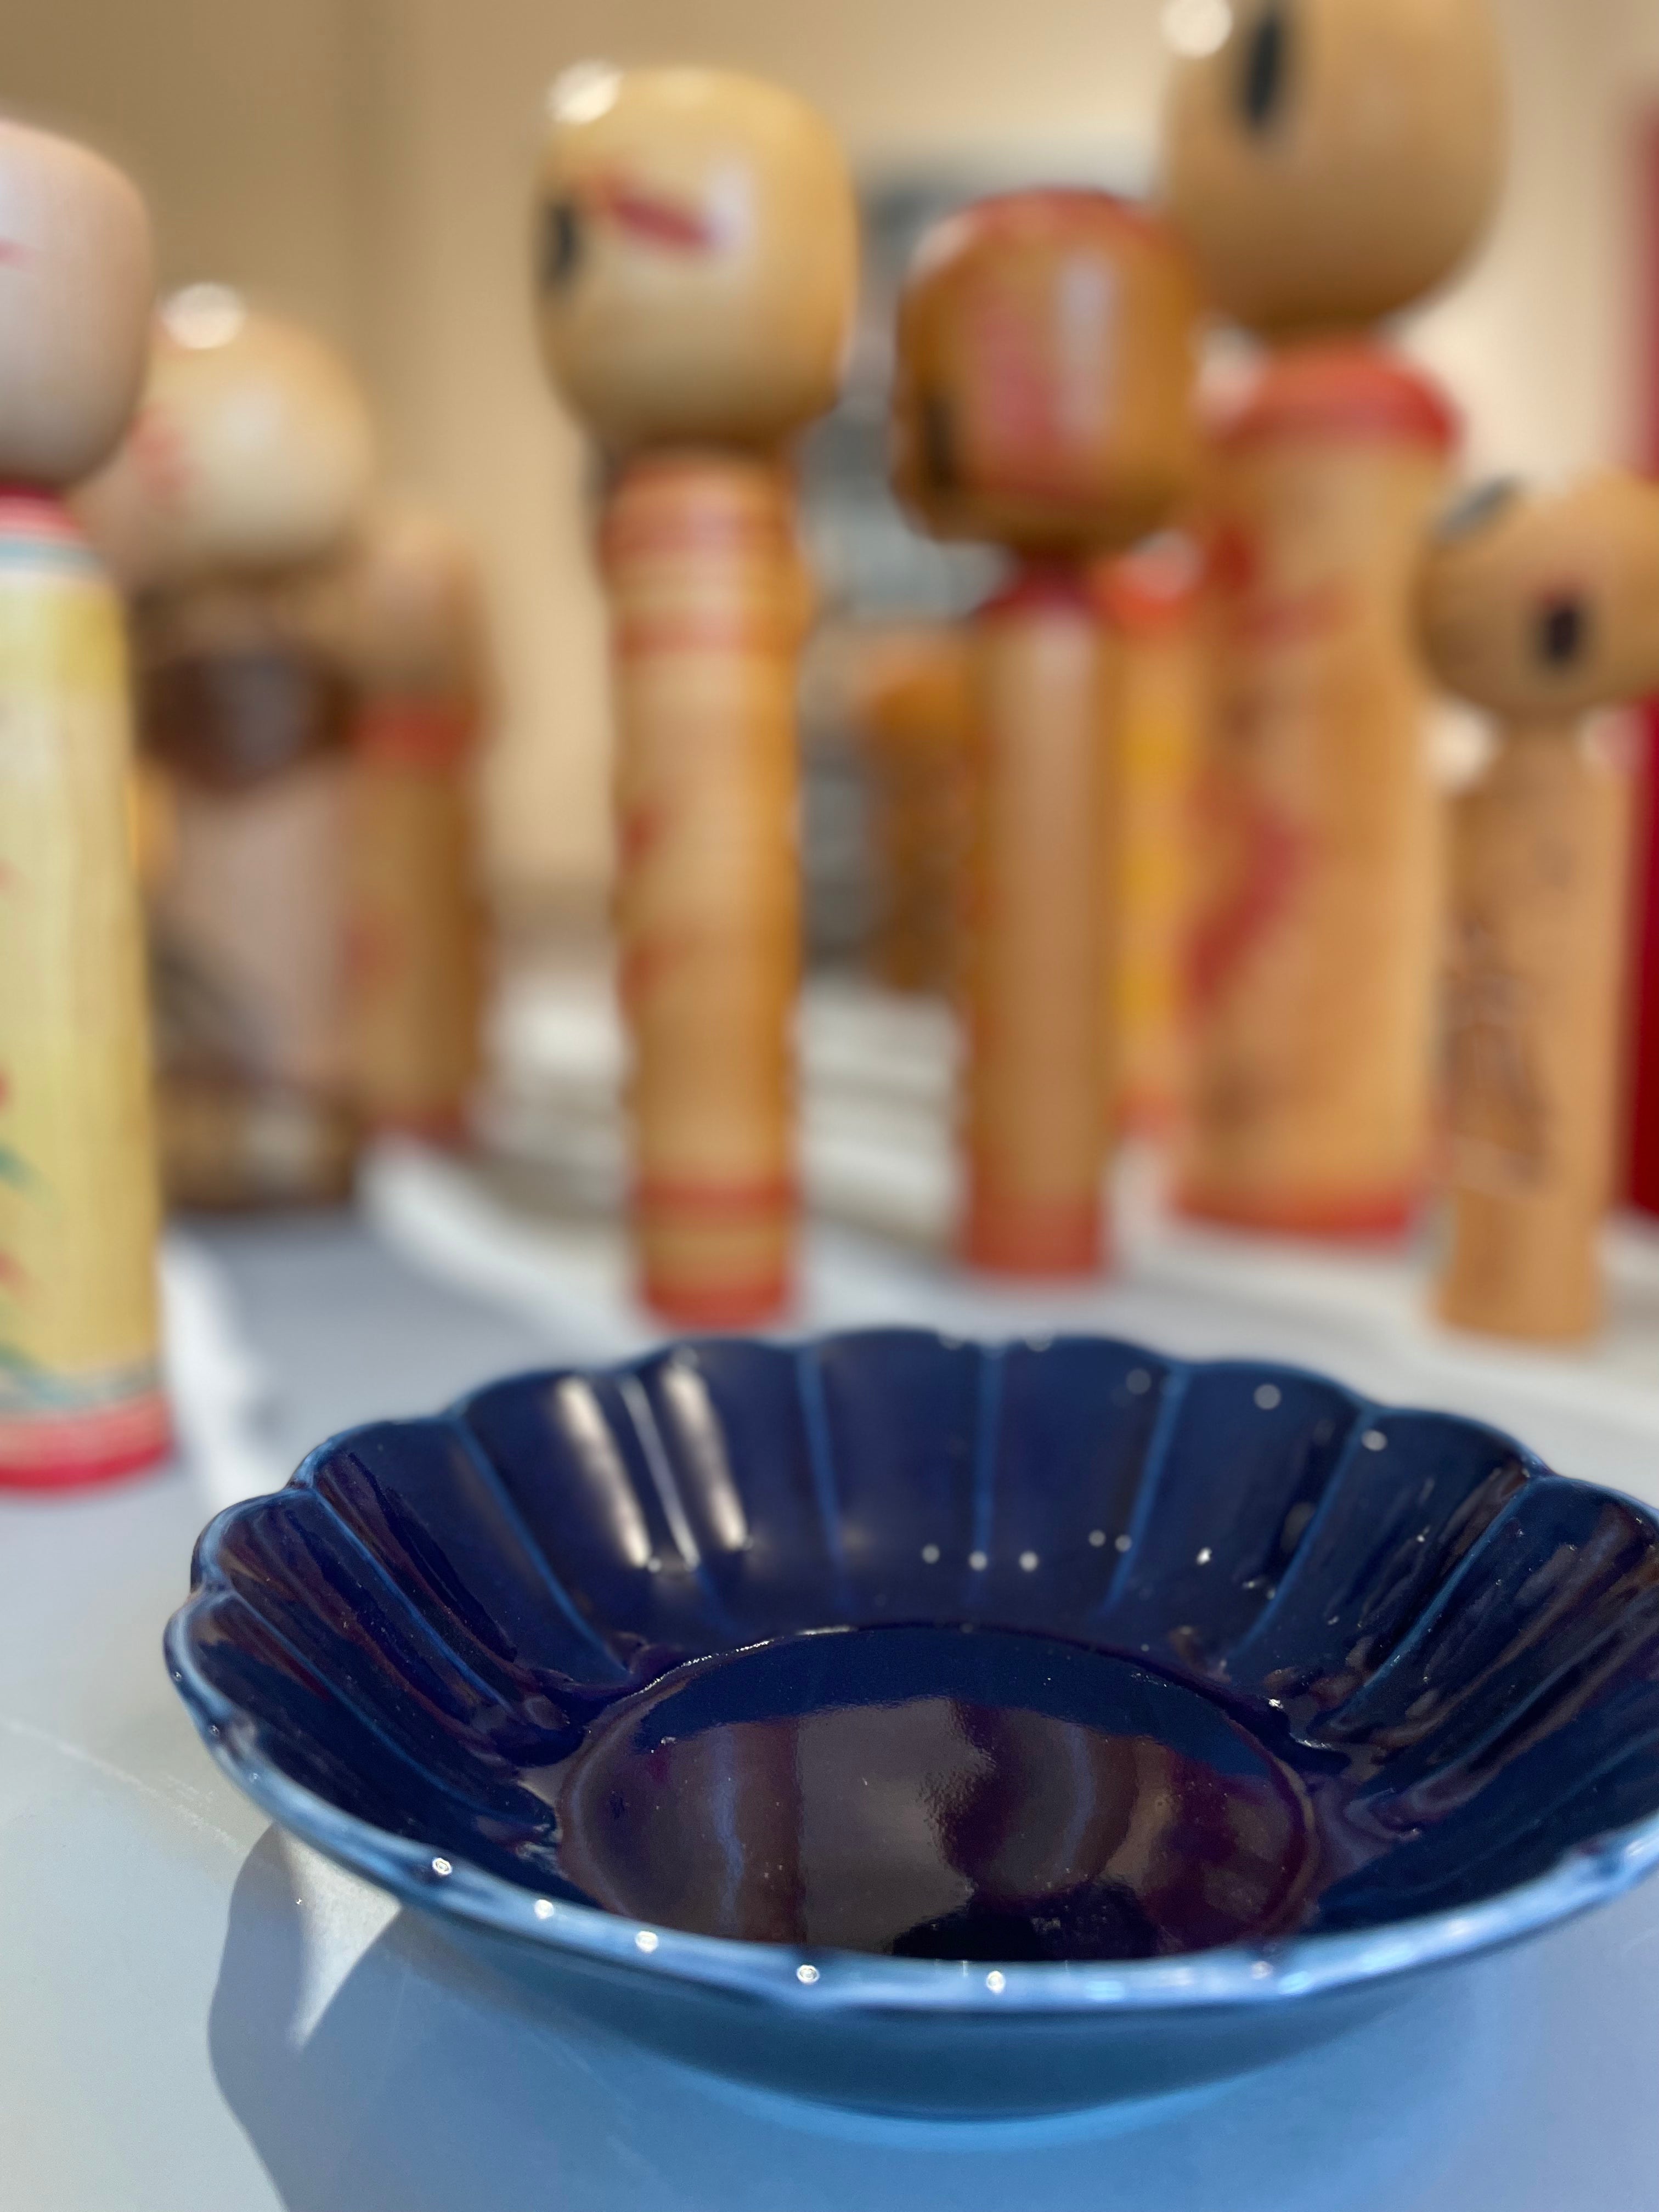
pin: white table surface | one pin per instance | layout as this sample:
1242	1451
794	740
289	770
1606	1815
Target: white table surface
199	2016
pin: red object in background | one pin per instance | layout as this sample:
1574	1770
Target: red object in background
1644	1094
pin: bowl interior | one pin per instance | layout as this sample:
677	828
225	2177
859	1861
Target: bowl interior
1410	1612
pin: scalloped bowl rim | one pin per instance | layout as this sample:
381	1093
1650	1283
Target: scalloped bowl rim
1590	1874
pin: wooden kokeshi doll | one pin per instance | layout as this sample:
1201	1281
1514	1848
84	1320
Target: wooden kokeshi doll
1540	609
1153	600
81	1394
1328	163
403	615
1043	403
909	710
698	266
249	460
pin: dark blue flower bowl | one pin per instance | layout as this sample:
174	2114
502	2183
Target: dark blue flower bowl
1423	1625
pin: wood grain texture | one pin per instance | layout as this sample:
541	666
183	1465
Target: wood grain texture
704	577
1315	957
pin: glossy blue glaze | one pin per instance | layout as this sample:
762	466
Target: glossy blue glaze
390	1652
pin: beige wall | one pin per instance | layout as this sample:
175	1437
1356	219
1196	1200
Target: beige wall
366	162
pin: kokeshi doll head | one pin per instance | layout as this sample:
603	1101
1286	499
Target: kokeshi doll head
697	256
1539	607
76	282
1046	359
402	607
1330	161
252	452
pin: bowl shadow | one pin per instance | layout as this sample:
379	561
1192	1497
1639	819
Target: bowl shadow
427	2079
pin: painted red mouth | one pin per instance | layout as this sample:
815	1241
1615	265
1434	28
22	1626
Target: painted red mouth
649	216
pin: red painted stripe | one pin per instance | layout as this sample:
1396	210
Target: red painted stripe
73	1451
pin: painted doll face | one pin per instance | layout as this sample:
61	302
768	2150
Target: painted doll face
1045	360
76	282
252	449
1330	161
697	252
1540	606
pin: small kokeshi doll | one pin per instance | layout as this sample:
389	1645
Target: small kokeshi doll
250	460
81	1394
1153	598
1329	162
1540	609
909	707
1043	403
698	269
404	615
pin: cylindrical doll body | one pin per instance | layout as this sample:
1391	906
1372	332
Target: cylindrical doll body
1046	354
1315	957
79	1388
909	707
417	927
249	723
705	591
248	463
698	269
1539	878
1539	610
81	1397
403	615
1153	598
1039	911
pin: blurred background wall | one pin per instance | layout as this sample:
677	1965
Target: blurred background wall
366	164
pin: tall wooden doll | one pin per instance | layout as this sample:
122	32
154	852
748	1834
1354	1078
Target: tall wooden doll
407	617
698	263
1153	598
250	460
80	1388
1043	403
1329	164
1540	609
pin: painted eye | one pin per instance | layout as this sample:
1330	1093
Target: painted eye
938	442
1265	84
1562	634
1468	516
561	245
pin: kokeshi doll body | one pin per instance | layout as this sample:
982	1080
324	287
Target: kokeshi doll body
249	461
1153	601
1328	162
81	1395
1539	610
1043	403
697	280
1313	959
910	710
405	616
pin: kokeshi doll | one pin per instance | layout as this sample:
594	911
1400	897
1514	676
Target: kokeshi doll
405	614
81	1395
1330	161
1540	610
250	460
697	275
1153	600
1044	402
1313	963
910	708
